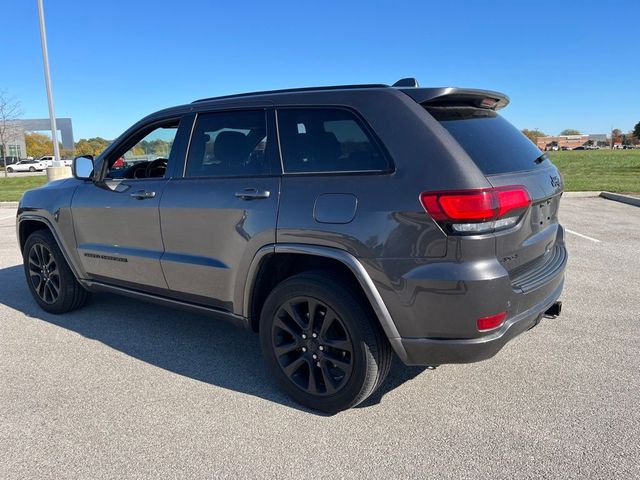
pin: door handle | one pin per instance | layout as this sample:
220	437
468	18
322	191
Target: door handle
142	195
253	194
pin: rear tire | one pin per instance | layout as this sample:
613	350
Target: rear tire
321	343
50	280
32	169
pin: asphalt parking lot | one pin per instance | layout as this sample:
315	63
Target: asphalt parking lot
128	389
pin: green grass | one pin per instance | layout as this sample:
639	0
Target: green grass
609	170
12	188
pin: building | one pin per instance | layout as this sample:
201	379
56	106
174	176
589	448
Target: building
16	147
569	142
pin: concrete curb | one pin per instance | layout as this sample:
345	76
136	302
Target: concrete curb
629	200
8	204
586	194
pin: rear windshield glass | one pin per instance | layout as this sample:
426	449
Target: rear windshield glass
494	144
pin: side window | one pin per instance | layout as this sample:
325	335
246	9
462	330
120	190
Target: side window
148	156
229	144
326	140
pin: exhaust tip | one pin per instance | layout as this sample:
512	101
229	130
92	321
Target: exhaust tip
554	310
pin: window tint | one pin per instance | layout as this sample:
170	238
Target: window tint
326	140
228	144
493	143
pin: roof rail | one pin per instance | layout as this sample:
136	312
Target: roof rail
293	90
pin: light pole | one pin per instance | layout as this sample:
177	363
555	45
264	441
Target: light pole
47	81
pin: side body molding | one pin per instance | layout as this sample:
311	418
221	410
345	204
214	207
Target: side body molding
345	258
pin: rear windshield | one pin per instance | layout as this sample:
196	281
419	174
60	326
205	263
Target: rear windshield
494	144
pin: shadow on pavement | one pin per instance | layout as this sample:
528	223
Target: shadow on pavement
192	345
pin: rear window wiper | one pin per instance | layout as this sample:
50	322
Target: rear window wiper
541	159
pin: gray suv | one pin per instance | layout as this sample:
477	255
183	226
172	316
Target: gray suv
343	224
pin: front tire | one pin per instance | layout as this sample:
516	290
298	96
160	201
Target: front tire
50	280
9	170
321	343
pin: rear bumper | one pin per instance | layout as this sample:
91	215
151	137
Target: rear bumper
432	351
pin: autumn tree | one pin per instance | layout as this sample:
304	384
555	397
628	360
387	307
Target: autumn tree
533	134
91	146
9	112
616	136
38	144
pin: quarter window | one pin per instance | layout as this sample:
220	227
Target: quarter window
229	144
326	140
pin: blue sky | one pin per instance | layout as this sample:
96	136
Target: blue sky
565	64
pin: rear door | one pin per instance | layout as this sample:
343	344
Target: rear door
223	207
507	158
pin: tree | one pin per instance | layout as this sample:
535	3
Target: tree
91	146
38	144
636	131
570	131
616	136
533	134
9	112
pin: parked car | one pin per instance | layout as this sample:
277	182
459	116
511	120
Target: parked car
27	166
49	159
346	225
579	148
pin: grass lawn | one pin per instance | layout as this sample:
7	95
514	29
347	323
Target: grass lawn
610	170
12	188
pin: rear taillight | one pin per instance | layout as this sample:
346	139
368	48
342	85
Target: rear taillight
479	210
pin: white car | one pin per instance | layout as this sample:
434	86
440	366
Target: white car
27	166
49	159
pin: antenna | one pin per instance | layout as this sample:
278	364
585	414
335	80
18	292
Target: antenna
406	82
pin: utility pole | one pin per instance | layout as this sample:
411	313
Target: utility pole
47	81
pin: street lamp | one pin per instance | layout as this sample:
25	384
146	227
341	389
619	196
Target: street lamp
47	81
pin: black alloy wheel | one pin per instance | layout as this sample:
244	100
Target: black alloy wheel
312	345
321	341
43	273
51	282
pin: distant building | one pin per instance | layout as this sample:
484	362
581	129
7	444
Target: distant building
16	147
564	142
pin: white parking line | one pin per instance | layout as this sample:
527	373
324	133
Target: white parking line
581	235
10	216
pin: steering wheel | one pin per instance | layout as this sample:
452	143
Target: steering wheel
157	164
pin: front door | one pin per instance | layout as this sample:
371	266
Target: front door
223	209
117	221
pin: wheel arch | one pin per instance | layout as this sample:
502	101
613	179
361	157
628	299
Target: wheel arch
274	263
28	224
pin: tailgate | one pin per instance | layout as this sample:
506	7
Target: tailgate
528	245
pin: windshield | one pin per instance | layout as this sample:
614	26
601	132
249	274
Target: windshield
493	143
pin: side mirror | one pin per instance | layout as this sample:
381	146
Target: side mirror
82	167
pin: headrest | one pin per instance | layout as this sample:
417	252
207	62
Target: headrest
230	146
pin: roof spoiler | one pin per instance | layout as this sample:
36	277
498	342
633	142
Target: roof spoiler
452	96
